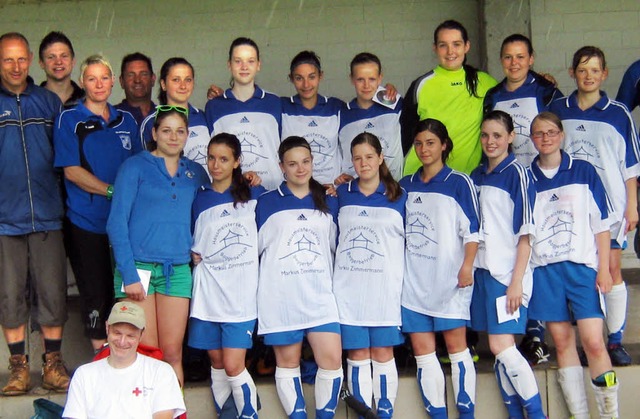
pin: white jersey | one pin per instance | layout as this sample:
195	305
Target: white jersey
99	391
319	126
379	120
369	266
296	244
256	123
605	136
441	218
506	197
570	209
225	283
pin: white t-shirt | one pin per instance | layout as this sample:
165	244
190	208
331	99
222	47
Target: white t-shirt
146	387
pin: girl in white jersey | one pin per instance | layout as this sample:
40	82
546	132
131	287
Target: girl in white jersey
503	278
225	278
296	241
367	279
571	261
177	79
601	131
442	240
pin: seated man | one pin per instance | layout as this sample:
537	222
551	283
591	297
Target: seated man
126	383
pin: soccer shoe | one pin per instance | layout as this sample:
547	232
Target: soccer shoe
19	377
619	356
535	351
54	374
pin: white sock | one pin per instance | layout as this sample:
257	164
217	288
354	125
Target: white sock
245	395
289	387
327	392
385	386
359	380
616	303
607	401
519	373
431	382
220	388
571	380
463	376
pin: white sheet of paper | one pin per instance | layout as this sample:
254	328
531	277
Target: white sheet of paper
145	278
501	308
603	306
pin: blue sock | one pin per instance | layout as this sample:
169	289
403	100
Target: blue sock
508	393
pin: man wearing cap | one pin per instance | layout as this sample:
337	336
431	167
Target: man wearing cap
126	383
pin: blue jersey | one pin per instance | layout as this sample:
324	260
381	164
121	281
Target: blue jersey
225	282
629	91
570	209
369	265
506	203
256	123
441	218
319	126
296	243
379	120
84	139
523	104
195	148
605	136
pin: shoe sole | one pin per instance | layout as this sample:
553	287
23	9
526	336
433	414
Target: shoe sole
14	393
55	389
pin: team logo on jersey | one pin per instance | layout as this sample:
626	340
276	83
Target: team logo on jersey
514	105
312	124
369	125
363	213
581	128
126	141
320	148
303	246
361	245
197	153
225	213
190	174
244	120
252	149
556	234
230	242
301	217
420	232
584	149
554	198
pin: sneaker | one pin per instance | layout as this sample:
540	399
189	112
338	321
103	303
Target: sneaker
619	356
535	351
19	379
54	374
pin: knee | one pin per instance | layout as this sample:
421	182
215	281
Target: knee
594	346
330	361
172	354
233	368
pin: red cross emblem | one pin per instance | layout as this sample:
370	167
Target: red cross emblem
124	308
137	391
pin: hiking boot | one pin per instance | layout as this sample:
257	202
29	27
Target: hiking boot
619	356
19	378
534	350
54	374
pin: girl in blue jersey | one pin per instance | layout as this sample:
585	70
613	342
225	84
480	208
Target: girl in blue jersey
503	278
177	79
296	241
363	114
225	278
250	113
602	132
441	243
571	261
367	278
313	116
149	230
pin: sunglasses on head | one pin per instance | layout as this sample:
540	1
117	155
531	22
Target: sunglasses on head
168	108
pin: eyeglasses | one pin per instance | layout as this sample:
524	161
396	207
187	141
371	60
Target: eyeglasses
539	135
168	108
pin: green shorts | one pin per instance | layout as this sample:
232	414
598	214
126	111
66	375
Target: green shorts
179	283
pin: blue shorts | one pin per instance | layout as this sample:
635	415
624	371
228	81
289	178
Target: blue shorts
359	337
414	322
296	336
484	315
565	291
215	335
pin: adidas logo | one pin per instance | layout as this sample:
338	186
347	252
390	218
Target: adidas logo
225	213
554	198
581	128
244	120
312	124
417	201
301	217
369	126
363	213
514	105
192	134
